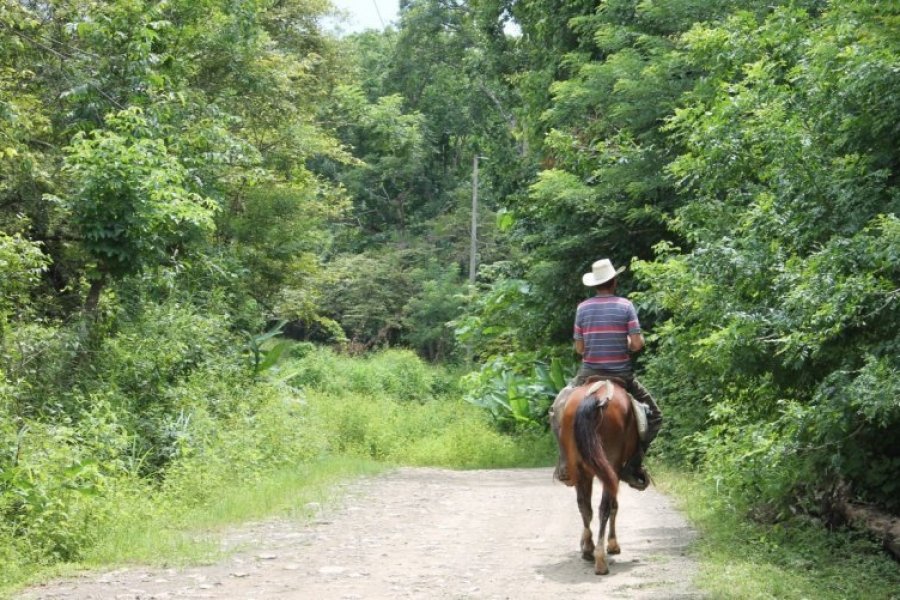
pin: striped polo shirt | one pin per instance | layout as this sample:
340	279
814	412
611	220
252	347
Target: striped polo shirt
604	322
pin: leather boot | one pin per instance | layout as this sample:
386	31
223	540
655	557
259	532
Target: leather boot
633	473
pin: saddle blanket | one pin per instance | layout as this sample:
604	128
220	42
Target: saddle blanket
640	410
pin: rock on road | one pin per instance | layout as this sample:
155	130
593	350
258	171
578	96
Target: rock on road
430	534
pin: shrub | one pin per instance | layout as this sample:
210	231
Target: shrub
162	364
470	442
396	373
201	424
517	389
439	432
53	492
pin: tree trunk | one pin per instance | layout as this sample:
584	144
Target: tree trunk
93	296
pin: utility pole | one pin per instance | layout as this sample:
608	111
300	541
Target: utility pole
473	249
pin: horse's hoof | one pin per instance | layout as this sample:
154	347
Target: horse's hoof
588	556
613	549
604	570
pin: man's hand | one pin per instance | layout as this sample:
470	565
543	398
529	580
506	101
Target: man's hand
636	342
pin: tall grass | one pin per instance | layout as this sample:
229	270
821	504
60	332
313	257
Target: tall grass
162	530
797	559
235	448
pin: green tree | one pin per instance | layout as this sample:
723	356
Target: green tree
783	308
129	200
389	181
615	73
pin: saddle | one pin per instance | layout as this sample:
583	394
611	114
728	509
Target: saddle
641	411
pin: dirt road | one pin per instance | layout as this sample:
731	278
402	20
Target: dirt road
429	534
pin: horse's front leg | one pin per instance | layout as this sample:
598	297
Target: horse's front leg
600	565
583	490
612	545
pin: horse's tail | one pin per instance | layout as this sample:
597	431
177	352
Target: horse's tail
587	421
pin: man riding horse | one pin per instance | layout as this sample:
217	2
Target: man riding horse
606	330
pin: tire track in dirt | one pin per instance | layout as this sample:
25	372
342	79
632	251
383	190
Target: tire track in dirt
429	534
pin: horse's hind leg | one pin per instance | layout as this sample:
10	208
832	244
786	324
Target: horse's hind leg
583	490
612	545
600	565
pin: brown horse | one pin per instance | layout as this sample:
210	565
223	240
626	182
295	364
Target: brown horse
599	431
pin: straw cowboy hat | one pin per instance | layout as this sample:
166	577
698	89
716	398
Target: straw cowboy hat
601	272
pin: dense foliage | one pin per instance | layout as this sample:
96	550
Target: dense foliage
176	178
788	165
741	157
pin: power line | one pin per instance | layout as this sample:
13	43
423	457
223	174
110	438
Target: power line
378	12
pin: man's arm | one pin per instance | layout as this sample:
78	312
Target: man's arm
635	342
579	346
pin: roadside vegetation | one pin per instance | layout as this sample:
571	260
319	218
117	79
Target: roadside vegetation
792	559
241	446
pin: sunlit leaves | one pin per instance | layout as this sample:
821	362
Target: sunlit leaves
129	198
791	215
21	264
